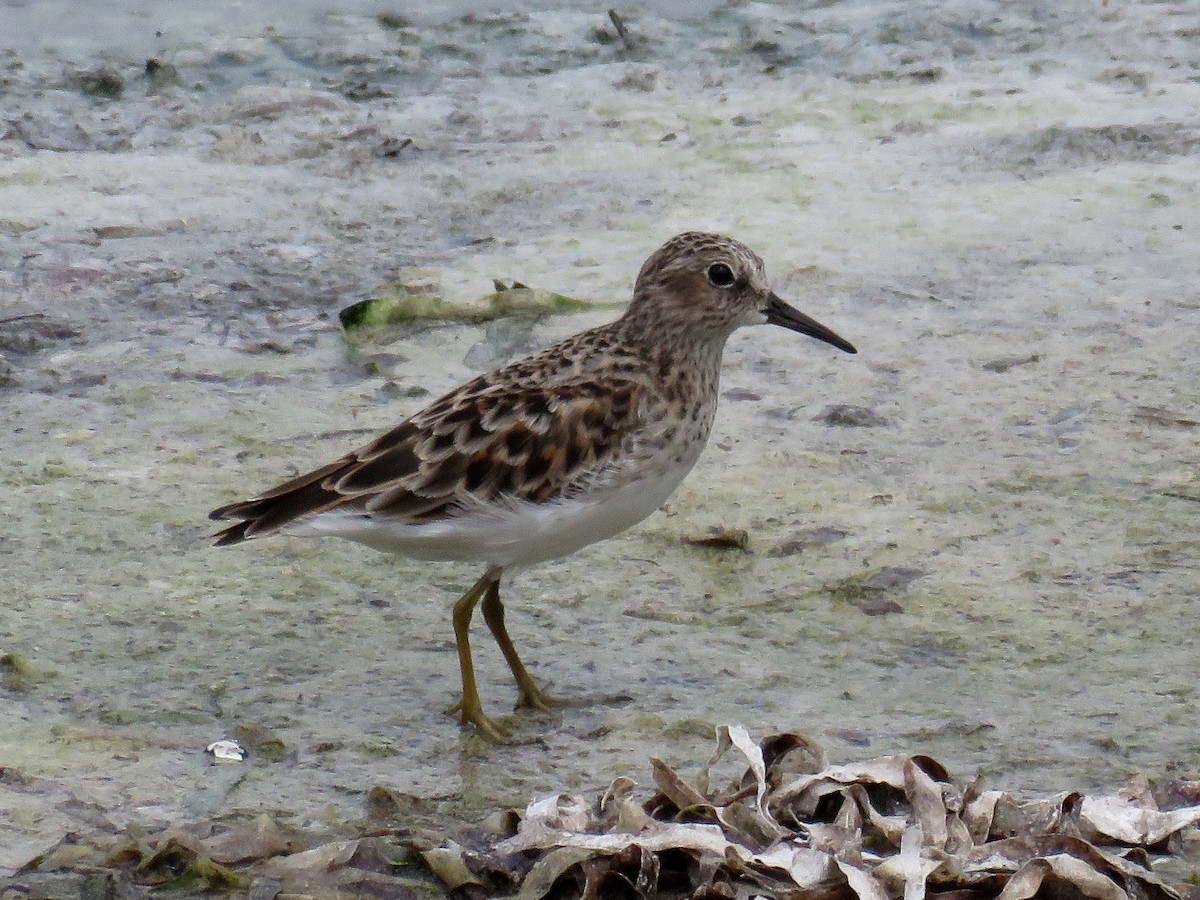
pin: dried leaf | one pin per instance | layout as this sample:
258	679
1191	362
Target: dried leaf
1068	872
329	856
1011	816
722	539
740	739
1130	823
865	885
928	808
620	811
173	852
979	810
890	828
447	864
558	811
791	753
675	789
1137	790
202	875
659	836
549	869
243	845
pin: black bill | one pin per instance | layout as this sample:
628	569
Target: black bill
780	312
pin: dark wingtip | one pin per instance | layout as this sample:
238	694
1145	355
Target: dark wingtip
234	534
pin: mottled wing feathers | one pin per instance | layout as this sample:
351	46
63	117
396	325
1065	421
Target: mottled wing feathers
483	441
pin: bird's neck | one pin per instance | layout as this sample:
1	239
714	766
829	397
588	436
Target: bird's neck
666	346
684	370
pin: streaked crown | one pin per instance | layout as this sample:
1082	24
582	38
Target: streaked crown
701	282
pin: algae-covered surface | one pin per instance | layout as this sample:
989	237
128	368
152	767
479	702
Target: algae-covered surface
975	539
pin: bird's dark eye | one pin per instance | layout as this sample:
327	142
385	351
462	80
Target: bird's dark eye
720	275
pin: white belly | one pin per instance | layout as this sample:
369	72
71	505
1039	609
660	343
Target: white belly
512	535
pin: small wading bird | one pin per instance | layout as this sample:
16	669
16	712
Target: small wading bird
548	454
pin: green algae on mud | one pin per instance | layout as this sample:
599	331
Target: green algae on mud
414	298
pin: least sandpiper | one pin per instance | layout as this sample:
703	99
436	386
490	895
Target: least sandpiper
547	454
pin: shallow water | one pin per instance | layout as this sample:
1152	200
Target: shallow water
996	203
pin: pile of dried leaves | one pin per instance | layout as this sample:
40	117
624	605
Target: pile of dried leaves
789	826
793	826
257	858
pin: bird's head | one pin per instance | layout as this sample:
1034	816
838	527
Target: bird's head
713	284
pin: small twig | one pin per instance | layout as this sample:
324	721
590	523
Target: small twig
22	318
1179	496
622	31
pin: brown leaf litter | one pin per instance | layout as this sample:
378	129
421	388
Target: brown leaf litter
790	825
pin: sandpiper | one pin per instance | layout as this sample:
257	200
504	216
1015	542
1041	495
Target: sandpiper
547	454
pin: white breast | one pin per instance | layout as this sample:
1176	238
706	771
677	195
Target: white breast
512	533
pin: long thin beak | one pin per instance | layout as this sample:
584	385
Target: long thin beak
780	312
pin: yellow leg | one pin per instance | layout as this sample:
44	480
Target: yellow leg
529	694
469	707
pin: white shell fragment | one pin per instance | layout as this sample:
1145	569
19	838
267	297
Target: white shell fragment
226	749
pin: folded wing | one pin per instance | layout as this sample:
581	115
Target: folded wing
481	442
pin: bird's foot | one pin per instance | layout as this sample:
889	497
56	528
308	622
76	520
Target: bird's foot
530	696
485	726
